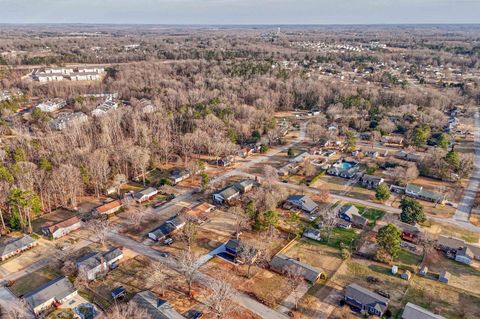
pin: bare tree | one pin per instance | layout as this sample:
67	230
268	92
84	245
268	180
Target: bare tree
250	255
126	311
220	301
101	229
295	276
329	222
189	266
156	277
241	219
188	232
17	310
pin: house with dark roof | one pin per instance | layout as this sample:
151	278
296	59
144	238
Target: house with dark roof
464	255
245	185
365	301
155	307
62	228
177	175
371	181
53	293
94	263
281	263
145	194
344	169
453	244
301	202
167	228
16	246
312	233
408	156
350	214
412	311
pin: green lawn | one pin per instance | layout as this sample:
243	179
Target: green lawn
372	215
407	258
341	236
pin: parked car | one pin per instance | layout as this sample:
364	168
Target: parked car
163	254
168	241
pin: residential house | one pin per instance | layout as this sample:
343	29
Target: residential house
177	175
64	120
345	169
444	277
226	161
109	208
411	233
245	185
290	168
281	263
53	293
105	107
408	156
454	245
365	301
464	255
350	214
94	263
343	224
312	234
199	212
168	228
226	195
412	311
16	246
84	76
154	307
371	181
299	158
62	228
51	105
301	202
372	154
233	251
145	194
420	192
392	140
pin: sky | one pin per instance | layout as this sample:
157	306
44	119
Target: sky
240	11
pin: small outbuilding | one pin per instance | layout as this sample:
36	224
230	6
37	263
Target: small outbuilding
444	277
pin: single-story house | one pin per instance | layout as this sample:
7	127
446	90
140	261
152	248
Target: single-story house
394	140
408	156
244	186
344	169
94	263
200	211
343	224
371	153
16	246
109	208
280	263
155	307
226	195
168	228
302	202
290	168
226	161
410	233
419	192
300	157
145	194
350	214
444	276
371	181
312	234
447	243
53	293
464	255
176	176
62	228
365	301
413	311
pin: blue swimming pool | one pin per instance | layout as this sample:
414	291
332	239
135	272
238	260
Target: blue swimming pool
345	165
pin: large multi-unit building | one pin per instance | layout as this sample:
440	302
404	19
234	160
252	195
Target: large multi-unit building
73	74
51	105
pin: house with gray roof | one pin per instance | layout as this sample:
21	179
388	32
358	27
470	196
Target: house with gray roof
226	195
155	307
448	243
168	228
94	263
413	311
365	301
16	246
145	194
351	214
302	202
464	255
420	192
371	181
280	263
53	293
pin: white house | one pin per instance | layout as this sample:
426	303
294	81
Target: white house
51	105
53	293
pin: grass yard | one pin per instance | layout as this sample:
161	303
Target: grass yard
34	280
341	237
442	299
321	256
407	258
61	314
269	287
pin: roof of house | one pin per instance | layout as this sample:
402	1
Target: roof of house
311	232
93	259
15	244
413	311
58	288
233	245
63	224
228	192
445	274
245	183
371	178
112	254
149	191
465	252
450	242
409	228
280	263
305	202
108	206
357	219
155	307
365	296
421	191
349	210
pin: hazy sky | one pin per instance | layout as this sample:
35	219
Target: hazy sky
240	11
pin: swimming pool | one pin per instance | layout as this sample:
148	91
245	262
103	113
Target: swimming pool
345	165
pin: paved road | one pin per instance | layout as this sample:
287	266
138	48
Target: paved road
239	297
465	206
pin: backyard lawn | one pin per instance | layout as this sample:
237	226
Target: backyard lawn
34	280
341	237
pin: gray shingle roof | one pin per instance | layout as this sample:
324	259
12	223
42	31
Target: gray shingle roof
280	263
156	308
17	243
413	311
366	297
303	202
58	289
